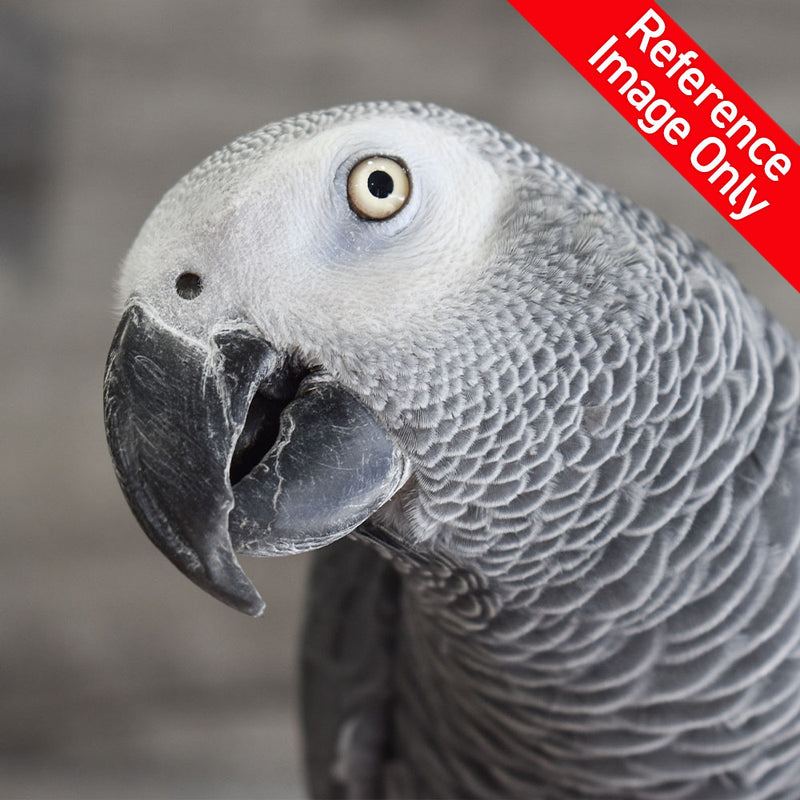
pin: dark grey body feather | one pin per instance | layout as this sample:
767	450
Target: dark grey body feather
346	668
600	592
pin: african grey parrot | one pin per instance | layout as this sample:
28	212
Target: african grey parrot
556	439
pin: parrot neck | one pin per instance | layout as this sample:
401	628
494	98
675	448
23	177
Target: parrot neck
601	575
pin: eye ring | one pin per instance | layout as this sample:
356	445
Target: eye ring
378	187
188	285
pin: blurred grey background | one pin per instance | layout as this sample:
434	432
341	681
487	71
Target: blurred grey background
119	678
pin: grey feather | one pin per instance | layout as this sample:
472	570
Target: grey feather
348	647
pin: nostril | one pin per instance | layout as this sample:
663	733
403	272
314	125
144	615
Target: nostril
189	285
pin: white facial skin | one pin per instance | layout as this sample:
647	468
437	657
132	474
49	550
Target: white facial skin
278	246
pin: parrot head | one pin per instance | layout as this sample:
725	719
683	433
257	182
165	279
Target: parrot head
266	303
339	312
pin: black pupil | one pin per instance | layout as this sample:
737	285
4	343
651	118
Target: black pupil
189	285
380	184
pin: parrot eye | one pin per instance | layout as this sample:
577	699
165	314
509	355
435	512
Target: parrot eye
189	285
378	187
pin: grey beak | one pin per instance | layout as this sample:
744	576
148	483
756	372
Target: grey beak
230	443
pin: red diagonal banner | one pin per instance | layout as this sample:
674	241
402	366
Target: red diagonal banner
684	103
